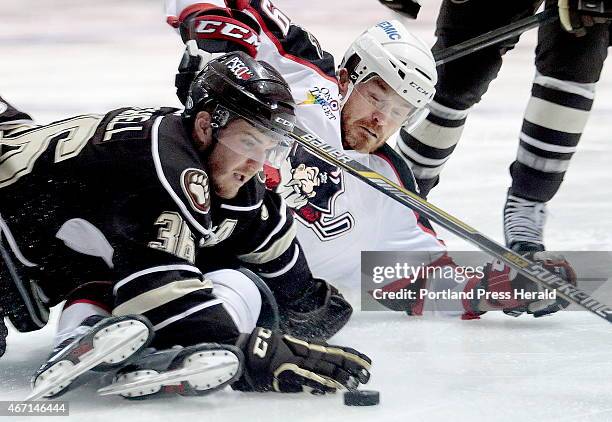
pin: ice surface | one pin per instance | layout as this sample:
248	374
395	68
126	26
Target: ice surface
63	57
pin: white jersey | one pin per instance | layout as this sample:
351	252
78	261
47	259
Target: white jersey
339	215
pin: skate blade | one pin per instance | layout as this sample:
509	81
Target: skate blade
104	351
203	370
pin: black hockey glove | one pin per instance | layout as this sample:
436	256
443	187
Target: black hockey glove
514	293
281	363
319	312
408	8
576	15
192	62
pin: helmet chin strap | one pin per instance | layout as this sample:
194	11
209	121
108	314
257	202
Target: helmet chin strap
344	98
219	119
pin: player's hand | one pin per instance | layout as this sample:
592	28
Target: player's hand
576	21
221	30
285	364
192	62
502	280
208	34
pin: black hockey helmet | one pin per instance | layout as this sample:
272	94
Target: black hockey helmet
237	86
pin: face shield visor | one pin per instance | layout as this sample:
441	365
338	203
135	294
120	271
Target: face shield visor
267	144
379	96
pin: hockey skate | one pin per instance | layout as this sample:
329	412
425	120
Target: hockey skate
524	224
190	371
100	344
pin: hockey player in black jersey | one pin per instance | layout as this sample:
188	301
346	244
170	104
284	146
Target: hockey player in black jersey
136	197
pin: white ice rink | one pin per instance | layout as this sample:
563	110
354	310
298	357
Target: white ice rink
64	57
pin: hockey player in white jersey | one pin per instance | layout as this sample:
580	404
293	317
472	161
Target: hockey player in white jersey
385	80
356	110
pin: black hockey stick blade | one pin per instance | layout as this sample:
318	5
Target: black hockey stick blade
529	269
496	36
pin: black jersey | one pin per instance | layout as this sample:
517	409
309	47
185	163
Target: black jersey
125	197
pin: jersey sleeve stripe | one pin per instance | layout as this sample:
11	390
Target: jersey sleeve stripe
275	250
237	208
279	226
422	226
286	268
397	175
160	296
161	268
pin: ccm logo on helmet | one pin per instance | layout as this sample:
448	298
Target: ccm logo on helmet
239	69
419	89
284	122
389	30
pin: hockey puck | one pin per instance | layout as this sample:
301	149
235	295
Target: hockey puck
361	398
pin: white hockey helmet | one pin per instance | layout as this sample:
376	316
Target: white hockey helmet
399	58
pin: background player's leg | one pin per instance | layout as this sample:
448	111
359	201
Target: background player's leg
461	83
561	98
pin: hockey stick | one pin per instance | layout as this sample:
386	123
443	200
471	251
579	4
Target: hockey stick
37	319
529	269
496	36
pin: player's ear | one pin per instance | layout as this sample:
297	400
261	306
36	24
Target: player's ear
343	81
202	131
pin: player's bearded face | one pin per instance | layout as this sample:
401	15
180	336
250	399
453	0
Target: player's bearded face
371	114
237	156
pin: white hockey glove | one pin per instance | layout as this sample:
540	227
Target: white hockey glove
284	364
